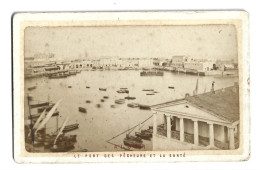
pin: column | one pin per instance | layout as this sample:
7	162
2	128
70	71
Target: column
211	134
196	132
231	138
181	130
154	123
168	126
165	122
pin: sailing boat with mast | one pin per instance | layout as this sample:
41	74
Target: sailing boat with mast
132	141
63	145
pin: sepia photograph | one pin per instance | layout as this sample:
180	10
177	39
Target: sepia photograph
130	86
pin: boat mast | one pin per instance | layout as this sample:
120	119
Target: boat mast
31	125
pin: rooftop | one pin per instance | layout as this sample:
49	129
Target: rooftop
223	103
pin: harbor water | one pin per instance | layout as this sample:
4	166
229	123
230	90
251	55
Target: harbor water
102	123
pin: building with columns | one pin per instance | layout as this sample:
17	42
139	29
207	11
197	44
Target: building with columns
204	121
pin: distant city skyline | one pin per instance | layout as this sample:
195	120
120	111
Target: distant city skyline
203	41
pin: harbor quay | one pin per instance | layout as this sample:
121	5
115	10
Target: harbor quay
52	67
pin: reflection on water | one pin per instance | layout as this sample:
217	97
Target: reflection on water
102	123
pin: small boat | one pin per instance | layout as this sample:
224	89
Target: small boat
122	91
57	76
120	101
144	107
147	89
31	88
102	89
155	92
105	97
133	105
150	94
98	105
102	100
82	109
133	141
151	73
171	87
69	86
48	108
70	127
130	98
146	136
123	88
35	116
39	105
88	101
112	106
87	87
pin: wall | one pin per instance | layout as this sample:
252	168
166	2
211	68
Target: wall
161	143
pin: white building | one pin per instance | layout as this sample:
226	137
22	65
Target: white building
204	121
199	65
145	62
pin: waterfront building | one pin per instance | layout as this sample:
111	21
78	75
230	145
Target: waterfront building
145	63
177	62
199	65
204	121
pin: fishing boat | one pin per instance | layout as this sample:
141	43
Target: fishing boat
151	73
133	141
130	98
143	135
144	107
47	108
70	127
31	88
39	104
82	110
171	87
105	97
150	94
133	105
102	89
56	76
88	101
122	91
102	100
35	116
120	101
69	86
87	87
147	89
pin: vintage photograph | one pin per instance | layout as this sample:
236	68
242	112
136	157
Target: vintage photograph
131	87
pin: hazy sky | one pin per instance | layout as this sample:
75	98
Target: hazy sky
204	41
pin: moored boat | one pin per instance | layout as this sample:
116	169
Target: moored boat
171	87
151	73
82	110
147	89
48	108
143	135
150	94
70	127
130	98
133	105
120	101
122	91
31	88
39	104
144	107
133	141
35	116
